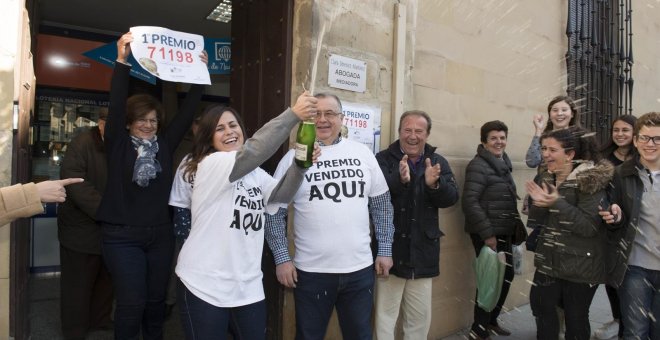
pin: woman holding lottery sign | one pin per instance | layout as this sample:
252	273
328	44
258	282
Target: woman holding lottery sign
134	215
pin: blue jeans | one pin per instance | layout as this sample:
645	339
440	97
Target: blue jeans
139	259
639	295
316	294
202	320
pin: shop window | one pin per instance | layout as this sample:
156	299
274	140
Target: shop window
60	116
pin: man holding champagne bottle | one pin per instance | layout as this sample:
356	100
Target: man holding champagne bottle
333	260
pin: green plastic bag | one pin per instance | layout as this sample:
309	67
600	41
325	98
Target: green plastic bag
490	276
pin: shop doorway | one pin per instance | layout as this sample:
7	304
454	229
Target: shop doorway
261	35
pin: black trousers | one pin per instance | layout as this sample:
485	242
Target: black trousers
86	293
482	318
546	294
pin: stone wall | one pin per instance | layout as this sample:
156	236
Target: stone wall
466	62
646	49
474	62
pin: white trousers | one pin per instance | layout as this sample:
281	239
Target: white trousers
412	297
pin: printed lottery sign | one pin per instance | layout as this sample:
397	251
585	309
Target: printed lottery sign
362	124
170	55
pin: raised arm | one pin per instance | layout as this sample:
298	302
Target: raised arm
268	139
533	156
178	127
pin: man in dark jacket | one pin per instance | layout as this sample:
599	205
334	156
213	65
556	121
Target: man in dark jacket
420	182
86	288
491	213
634	245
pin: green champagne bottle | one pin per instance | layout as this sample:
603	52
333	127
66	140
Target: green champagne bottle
305	143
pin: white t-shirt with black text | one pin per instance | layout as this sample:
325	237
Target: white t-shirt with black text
220	262
331	214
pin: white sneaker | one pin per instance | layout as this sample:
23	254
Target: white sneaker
608	330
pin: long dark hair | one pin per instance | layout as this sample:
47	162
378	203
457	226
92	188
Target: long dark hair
575	138
203	140
611	146
575	119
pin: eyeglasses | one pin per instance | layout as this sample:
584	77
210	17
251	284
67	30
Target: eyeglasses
645	139
144	121
328	114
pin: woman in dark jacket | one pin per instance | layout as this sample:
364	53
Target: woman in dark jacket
138	242
620	149
491	214
570	255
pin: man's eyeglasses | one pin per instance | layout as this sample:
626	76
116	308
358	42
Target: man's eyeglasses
328	114
645	139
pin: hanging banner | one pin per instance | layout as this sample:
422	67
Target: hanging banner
107	54
362	124
170	55
219	51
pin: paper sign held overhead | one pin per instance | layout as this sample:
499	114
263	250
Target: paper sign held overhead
170	55
347	73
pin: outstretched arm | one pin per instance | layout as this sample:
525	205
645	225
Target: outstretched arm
268	139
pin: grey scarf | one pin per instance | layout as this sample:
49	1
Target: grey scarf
146	164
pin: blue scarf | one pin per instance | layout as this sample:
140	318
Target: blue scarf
146	164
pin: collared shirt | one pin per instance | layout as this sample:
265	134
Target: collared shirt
336	141
414	165
379	208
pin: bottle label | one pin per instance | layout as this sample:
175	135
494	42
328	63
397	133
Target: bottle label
301	152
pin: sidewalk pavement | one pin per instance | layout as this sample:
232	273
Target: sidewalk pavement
523	327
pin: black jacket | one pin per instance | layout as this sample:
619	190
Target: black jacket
76	227
489	196
124	202
416	247
626	191
572	240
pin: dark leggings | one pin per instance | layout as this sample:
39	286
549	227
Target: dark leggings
544	298
613	296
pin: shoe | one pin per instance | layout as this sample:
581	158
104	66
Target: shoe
474	336
497	330
608	330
